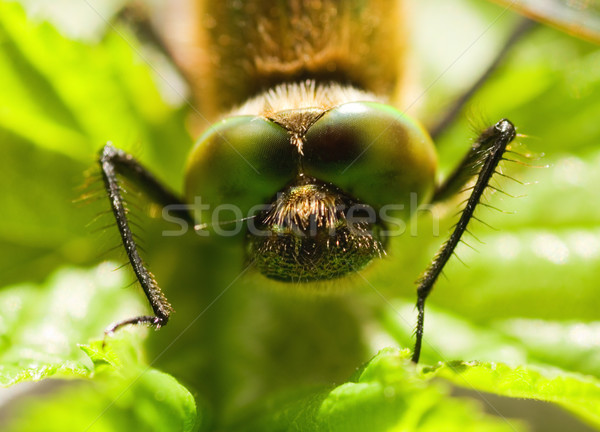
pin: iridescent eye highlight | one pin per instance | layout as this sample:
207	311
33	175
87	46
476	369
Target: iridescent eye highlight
373	152
241	161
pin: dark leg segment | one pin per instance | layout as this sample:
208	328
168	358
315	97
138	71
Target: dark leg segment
112	162
486	153
468	167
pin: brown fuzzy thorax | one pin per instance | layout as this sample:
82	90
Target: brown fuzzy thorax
232	51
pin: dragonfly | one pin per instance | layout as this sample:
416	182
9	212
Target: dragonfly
306	142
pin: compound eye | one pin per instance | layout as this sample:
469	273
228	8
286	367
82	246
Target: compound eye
373	152
238	163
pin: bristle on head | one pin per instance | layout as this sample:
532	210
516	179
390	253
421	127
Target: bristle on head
302	95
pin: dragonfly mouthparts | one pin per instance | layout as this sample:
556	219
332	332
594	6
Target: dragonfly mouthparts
313	231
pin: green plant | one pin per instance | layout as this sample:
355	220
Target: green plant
247	359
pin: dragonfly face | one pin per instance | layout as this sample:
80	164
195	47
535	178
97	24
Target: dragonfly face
330	165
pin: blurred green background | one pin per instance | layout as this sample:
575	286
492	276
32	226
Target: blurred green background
237	356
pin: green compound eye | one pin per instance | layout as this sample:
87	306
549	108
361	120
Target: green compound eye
239	162
373	152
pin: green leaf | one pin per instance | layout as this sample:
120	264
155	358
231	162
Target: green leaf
576	392
42	325
532	344
71	116
578	342
123	396
389	393
386	394
38	345
67	99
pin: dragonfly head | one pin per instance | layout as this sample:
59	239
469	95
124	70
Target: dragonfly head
317	185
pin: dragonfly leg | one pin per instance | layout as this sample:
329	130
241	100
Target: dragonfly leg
112	162
485	154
